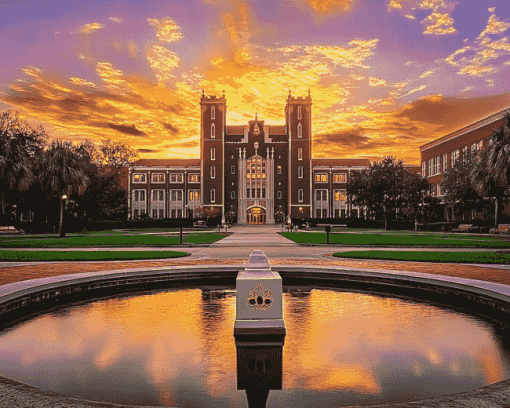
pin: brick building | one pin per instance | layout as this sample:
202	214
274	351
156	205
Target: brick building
249	174
443	153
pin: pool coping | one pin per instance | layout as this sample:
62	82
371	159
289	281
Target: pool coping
30	293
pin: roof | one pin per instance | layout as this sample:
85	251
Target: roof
278	130
487	121
168	163
341	162
235	130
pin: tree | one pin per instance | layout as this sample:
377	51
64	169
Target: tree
19	144
385	187
63	171
490	174
459	191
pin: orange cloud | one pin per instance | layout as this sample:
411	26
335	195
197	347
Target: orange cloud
89	28
167	29
162	61
439	23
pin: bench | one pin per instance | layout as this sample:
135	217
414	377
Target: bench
463	228
502	229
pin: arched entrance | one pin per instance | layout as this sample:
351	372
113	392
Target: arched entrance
256	215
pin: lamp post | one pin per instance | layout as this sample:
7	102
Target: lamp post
61	227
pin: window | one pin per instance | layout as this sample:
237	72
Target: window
213	112
299	112
340	178
423	168
213	172
175	195
439	192
445	161
176	178
300	153
299	131
438	165
154	213
279	170
193	178
339	195
194	195
138	195
464	153
321	195
232	169
179	213
213	131
158	195
23	216
431	167
455	157
321	178
232	195
158	177
300	195
139	178
213	153
213	195
300	172
135	213
279	195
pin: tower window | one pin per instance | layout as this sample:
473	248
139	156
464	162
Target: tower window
213	112
299	112
300	195
213	195
213	153
300	172
213	172
300	153
213	131
299	131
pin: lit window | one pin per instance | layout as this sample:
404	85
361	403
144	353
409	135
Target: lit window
300	195
213	172
213	112
213	153
339	178
321	178
445	161
455	157
300	172
213	131
213	195
300	153
158	177
299	131
279	169
299	112
139	178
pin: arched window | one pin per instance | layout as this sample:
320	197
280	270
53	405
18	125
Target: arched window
213	112
213	131
299	131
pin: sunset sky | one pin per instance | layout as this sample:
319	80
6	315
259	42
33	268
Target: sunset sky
385	76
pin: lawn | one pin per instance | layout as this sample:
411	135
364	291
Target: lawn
109	240
384	239
432	256
37	256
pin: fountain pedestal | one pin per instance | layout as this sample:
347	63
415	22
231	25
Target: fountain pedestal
259	303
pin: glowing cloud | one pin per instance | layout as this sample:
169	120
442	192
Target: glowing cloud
81	82
439	23
115	19
412	91
347	57
162	61
166	29
329	6
394	4
376	81
427	73
89	28
495	26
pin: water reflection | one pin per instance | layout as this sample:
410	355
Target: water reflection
176	348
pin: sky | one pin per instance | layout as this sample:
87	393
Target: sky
385	76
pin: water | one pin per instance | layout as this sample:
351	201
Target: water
176	348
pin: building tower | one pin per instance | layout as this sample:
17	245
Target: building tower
212	153
298	120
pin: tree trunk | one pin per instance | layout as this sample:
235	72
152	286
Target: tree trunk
61	231
385	219
496	210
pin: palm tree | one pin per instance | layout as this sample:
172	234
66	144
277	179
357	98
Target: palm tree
63	172
491	174
19	142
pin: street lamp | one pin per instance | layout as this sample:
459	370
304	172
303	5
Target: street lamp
62	204
301	212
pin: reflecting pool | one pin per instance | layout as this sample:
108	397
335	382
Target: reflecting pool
176	348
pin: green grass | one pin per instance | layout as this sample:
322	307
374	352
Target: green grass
397	240
33	256
432	256
109	241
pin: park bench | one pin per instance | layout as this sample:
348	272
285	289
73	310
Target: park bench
502	229
463	228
